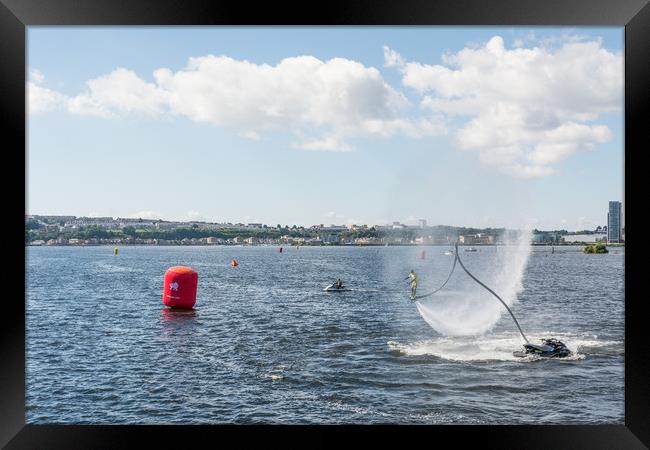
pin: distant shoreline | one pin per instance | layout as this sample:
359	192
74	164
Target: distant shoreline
571	244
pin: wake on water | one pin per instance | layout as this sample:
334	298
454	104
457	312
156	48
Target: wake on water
499	347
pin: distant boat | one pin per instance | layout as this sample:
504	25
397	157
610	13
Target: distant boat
449	253
333	288
471	249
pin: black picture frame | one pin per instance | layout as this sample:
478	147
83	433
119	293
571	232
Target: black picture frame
16	15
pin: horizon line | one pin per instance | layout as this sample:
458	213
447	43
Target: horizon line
296	225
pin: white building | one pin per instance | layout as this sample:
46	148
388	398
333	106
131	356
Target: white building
597	237
329	238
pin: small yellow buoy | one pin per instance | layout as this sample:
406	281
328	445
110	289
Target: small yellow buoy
115	251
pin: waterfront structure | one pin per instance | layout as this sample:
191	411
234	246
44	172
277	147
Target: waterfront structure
422	223
589	238
368	241
329	238
355	227
476	239
614	222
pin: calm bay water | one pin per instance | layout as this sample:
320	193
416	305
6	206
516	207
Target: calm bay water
265	344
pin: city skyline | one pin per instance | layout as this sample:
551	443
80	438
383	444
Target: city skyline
334	125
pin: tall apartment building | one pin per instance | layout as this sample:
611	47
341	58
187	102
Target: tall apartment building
614	222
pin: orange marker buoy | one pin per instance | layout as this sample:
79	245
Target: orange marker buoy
234	263
180	287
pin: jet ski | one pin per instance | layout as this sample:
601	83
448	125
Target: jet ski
332	288
550	348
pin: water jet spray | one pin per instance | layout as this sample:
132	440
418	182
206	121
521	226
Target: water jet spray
550	347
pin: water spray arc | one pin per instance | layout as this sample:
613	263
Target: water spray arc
550	347
493	293
453	267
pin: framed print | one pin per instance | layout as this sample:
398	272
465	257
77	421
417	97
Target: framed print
296	219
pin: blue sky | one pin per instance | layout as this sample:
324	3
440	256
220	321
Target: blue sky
327	124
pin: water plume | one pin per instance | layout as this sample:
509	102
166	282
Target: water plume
464	308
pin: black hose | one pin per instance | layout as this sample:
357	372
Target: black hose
457	258
443	284
493	293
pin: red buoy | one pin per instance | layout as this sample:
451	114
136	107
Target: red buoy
234	263
180	287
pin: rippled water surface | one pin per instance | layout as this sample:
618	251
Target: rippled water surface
266	344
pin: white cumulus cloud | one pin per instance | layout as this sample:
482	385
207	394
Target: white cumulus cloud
36	76
321	102
118	93
41	100
522	110
528	108
392	58
326	144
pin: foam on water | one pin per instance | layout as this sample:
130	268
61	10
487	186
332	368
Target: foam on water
474	311
114	268
276	373
500	347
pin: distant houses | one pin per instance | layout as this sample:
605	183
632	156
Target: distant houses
71	230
